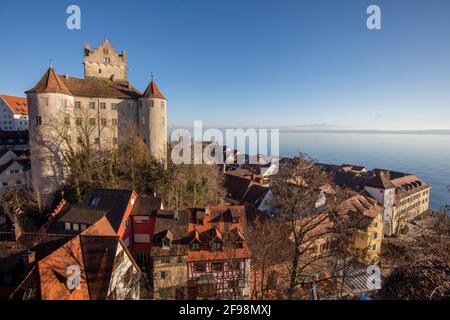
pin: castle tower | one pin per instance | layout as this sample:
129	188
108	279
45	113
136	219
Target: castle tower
45	101
153	121
105	62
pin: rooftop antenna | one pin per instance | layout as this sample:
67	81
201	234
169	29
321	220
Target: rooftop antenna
51	63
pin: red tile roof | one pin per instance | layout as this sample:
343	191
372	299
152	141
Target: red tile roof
94	251
17	105
153	91
218	221
50	83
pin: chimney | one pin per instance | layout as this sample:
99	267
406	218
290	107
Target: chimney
207	211
28	259
66	76
175	214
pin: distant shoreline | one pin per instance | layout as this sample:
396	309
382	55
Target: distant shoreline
412	132
344	131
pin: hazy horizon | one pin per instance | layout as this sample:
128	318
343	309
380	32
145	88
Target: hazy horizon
250	63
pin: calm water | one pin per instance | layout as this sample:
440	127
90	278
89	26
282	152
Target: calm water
427	156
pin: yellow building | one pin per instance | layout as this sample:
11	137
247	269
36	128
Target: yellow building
362	216
412	198
365	218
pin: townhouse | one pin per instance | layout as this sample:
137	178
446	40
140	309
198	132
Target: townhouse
13	113
14	170
94	265
219	257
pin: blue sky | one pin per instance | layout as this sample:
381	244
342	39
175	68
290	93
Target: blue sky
253	62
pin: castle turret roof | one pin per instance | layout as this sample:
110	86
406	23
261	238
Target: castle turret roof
153	91
50	83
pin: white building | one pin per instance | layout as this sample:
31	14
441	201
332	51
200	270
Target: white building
14	170
13	113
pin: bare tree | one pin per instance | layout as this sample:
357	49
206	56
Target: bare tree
267	240
296	191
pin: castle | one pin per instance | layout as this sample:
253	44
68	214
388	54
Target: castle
68	113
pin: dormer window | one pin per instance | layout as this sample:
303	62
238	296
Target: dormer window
216	246
195	246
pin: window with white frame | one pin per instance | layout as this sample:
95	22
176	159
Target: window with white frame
63	104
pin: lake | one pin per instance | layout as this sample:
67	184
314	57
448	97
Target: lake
427	156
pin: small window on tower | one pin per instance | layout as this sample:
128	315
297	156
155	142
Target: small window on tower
43	101
63	104
99	70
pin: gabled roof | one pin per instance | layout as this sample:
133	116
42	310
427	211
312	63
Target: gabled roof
99	253
50	83
220	222
167	223
153	91
237	185
23	163
94	251
113	201
146	205
18	105
255	195
83	215
381	181
361	209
